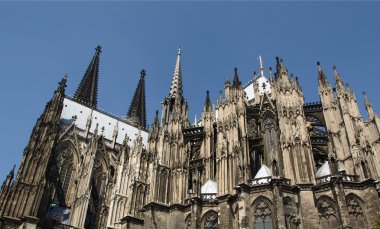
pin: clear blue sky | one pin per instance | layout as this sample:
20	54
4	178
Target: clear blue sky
41	41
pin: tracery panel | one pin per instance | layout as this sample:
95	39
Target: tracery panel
327	210
210	220
263	213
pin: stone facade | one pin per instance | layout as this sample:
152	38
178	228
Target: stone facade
260	158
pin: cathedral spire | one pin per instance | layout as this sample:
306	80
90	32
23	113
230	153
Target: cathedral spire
176	86
87	91
137	109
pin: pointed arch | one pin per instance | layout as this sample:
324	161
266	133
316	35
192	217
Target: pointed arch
63	170
263	213
210	220
328	213
355	211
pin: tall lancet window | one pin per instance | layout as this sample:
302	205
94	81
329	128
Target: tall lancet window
62	172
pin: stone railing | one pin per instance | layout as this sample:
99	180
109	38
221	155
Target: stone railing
323	179
344	177
260	181
208	196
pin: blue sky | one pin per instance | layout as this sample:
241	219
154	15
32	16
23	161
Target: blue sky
41	41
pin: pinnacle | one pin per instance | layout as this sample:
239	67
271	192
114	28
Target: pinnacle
321	75
208	101
236	82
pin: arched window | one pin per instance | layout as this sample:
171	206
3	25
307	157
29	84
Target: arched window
327	213
263	214
210	220
355	211
62	174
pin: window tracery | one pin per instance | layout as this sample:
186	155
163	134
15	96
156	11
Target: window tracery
327	214
263	214
62	172
210	220
355	211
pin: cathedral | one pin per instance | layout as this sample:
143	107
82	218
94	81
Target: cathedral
259	158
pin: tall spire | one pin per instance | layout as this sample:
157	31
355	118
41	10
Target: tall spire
176	86
87	91
137	109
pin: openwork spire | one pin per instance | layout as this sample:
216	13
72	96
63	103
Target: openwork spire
137	109
87	91
176	86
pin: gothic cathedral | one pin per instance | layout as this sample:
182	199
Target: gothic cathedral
259	158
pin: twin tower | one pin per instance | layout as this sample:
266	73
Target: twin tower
260	158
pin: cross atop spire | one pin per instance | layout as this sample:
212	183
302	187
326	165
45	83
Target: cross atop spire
179	50
87	91
176	86
137	109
